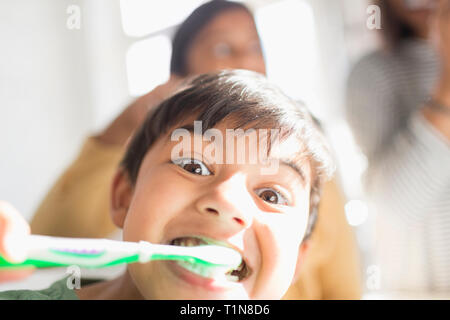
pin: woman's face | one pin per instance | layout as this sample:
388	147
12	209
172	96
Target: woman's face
415	13
229	41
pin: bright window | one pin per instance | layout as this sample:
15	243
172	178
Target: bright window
143	17
287	30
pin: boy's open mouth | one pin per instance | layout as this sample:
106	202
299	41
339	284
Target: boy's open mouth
234	275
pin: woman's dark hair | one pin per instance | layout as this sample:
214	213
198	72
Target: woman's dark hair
394	30
191	27
244	99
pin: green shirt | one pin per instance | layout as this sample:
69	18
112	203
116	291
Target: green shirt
57	291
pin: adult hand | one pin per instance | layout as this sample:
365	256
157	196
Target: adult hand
441	38
129	120
438	112
13	232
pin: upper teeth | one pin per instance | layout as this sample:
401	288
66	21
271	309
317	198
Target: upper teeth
188	242
208	272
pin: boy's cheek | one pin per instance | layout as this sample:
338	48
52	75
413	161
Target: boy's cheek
141	224
151	210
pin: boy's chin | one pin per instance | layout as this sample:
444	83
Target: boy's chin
178	290
175	283
174	292
206	296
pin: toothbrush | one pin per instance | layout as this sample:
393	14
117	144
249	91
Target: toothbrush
45	251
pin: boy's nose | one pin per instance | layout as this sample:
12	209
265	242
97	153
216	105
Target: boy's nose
230	201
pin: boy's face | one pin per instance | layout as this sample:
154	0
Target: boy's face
262	216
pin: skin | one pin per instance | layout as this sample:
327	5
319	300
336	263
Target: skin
433	25
440	36
226	205
229	41
418	19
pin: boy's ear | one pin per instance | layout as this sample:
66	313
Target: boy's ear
121	194
303	249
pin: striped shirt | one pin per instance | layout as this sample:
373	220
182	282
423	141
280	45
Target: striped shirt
408	179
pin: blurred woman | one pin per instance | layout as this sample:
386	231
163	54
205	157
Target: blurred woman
399	109
217	35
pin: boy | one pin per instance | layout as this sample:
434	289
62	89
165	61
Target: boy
210	188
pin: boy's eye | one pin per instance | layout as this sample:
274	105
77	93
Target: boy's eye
193	166
271	196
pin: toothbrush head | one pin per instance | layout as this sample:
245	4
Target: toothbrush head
213	255
205	255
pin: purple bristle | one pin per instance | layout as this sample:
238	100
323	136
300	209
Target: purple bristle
82	251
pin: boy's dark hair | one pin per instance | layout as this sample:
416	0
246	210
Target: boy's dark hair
247	100
192	26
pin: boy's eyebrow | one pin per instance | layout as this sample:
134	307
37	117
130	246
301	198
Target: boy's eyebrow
294	166
286	162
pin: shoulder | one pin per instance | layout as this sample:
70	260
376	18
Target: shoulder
57	291
373	59
377	63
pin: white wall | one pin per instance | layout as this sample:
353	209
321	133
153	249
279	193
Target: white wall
47	104
106	47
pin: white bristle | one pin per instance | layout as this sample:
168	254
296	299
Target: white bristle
214	254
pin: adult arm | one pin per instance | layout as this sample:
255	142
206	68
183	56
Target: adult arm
78	203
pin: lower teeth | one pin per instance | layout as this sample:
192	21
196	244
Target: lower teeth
208	272
231	278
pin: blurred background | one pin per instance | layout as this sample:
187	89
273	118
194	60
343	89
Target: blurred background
60	82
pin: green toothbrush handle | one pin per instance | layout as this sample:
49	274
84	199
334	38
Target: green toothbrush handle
4	264
77	260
